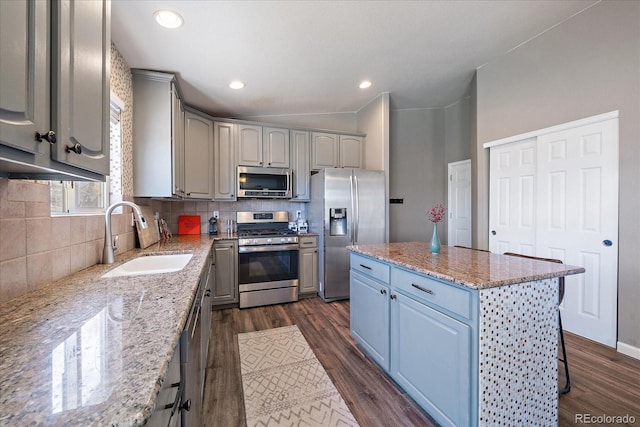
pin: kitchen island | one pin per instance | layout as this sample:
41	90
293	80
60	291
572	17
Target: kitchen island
471	336
87	350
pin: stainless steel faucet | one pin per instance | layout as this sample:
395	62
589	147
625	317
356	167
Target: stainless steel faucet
107	252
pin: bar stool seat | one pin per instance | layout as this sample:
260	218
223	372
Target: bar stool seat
563	359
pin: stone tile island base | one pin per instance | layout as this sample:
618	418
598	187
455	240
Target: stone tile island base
518	341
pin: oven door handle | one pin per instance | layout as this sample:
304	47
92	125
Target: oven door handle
267	248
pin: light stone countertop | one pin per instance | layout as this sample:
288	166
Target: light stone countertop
87	351
467	267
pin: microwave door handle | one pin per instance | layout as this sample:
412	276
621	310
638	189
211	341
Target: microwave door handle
289	192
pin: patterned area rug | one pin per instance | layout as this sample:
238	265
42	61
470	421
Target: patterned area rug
284	383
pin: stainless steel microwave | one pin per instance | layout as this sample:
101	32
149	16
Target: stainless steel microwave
264	183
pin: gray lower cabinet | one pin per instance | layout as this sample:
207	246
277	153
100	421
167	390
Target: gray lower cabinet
420	331
308	265
52	84
369	300
431	359
166	412
225	288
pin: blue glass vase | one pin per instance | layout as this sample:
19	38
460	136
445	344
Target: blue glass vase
435	241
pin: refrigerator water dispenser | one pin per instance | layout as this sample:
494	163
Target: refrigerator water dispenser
338	221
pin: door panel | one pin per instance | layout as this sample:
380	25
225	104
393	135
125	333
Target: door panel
81	113
198	155
431	359
24	80
459	224
224	163
568	211
512	203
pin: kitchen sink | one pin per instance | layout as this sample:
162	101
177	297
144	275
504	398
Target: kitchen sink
150	264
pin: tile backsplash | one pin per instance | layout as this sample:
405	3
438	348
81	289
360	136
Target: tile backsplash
37	248
170	210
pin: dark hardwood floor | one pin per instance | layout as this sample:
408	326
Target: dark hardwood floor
604	382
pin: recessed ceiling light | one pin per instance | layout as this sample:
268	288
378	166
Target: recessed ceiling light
168	18
365	84
236	84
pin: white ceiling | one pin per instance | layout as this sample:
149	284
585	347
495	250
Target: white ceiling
309	56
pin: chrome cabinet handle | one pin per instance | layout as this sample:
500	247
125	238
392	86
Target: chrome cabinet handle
76	148
364	266
429	291
49	136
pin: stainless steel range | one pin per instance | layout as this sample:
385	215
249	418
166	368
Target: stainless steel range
267	259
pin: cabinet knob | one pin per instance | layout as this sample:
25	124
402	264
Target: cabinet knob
392	296
49	136
186	405
77	148
383	291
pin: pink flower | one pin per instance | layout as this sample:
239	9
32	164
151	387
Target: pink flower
436	213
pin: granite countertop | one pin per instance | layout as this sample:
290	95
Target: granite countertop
466	267
90	351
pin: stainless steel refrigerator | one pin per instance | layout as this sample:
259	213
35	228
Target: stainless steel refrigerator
347	208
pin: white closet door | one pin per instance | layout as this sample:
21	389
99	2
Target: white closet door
577	178
513	197
459	227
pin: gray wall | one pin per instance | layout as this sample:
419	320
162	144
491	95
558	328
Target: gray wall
417	172
585	66
457	119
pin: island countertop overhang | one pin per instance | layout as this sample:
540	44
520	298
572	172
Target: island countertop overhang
467	267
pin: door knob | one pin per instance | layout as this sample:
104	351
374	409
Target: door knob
493	232
607	242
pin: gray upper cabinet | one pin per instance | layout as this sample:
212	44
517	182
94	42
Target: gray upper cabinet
54	81
276	147
249	145
301	165
224	180
158	134
198	155
24	80
80	113
351	151
262	147
324	150
329	150
177	135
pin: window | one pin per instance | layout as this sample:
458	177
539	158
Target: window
93	197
